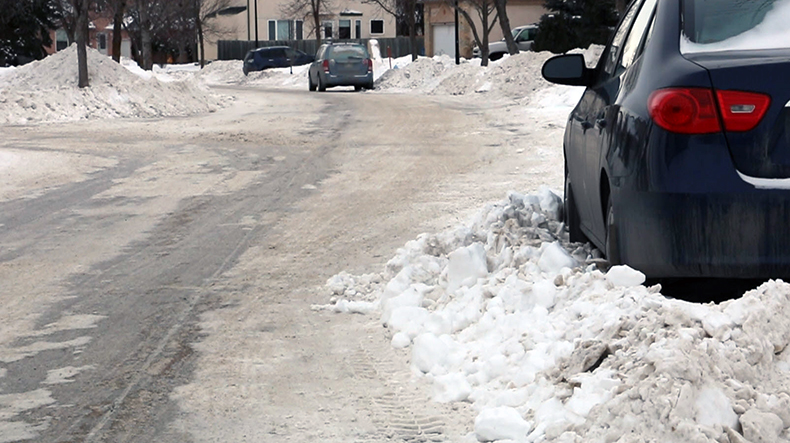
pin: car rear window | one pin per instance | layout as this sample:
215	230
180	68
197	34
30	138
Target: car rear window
342	53
727	25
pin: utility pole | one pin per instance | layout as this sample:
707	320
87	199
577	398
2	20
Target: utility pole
457	43
249	36
256	23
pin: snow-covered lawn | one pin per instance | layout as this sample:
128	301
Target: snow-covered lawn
502	312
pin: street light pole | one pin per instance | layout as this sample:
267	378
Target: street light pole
248	21
457	43
256	23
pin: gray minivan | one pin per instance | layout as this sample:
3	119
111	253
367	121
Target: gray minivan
341	64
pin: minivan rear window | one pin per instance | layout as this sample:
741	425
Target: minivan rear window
342	53
729	25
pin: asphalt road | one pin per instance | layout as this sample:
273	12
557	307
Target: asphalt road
157	275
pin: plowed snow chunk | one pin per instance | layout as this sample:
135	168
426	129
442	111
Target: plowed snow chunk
624	276
501	423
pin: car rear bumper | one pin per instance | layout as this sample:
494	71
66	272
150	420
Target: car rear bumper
349	80
728	235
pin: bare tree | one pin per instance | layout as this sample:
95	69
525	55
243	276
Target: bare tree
406	9
303	9
486	11
504	23
118	9
74	20
205	13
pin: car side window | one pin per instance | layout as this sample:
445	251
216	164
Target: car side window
531	33
638	30
619	37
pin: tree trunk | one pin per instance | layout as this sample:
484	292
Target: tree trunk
411	20
315	6
504	23
117	35
82	42
199	24
145	34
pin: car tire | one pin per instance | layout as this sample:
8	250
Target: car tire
369	86
612	239
572	219
357	88
496	56
321	85
310	84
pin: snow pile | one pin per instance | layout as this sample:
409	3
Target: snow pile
47	90
512	76
222	72
506	314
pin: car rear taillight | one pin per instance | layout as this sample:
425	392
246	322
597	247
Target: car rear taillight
369	64
684	110
742	111
693	110
325	65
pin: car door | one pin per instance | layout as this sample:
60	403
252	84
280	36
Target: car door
589	117
613	86
525	37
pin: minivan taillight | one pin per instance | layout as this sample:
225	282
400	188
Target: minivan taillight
742	111
325	65
684	110
369	64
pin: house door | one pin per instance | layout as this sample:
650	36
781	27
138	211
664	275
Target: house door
444	40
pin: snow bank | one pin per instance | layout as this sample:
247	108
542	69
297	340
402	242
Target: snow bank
507	314
514	76
47	90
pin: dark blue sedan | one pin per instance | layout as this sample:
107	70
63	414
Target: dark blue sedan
677	156
274	57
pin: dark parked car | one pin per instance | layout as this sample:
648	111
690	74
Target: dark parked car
341	64
274	57
677	156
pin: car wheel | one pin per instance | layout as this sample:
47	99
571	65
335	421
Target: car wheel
321	85
572	219
310	83
369	86
357	88
612	243
495	56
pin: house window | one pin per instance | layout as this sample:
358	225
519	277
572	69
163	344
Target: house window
284	30
272	30
358	29
102	40
62	39
328	32
377	26
299	30
344	30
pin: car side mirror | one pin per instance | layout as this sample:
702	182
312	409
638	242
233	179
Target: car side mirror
569	69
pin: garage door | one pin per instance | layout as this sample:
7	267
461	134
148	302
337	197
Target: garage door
444	40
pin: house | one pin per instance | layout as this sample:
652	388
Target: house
440	25
100	35
264	20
